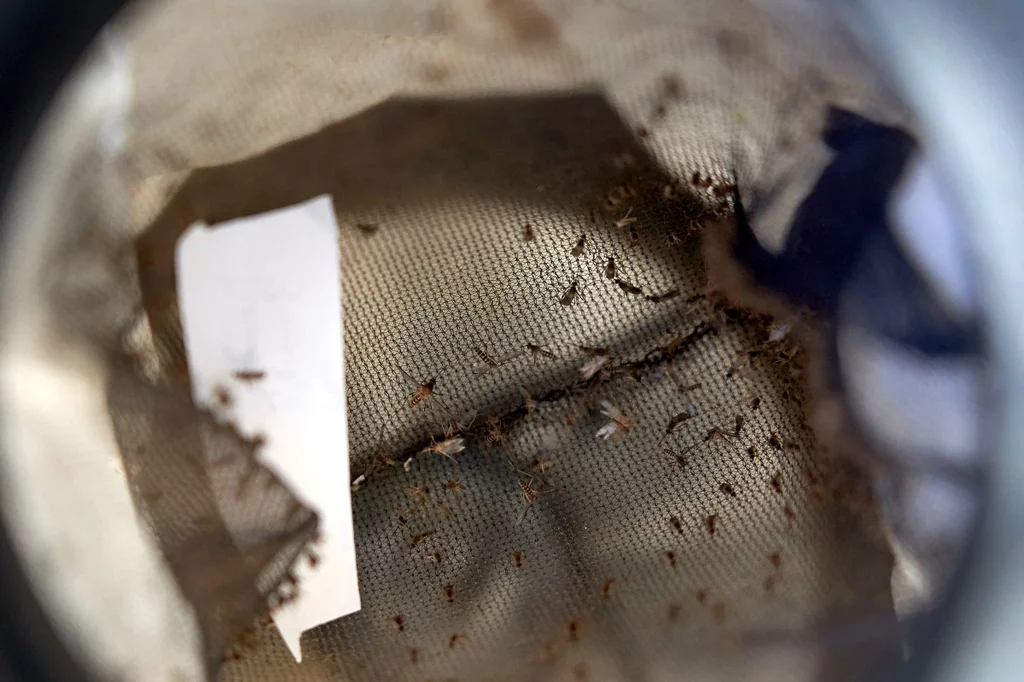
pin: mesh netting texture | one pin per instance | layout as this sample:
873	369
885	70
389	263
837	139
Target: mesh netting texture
607	472
638	480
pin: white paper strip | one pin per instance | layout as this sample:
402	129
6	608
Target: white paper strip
263	294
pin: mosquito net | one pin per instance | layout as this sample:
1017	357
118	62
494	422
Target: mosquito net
622	461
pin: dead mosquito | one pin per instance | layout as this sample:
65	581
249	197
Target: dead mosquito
535	350
496	430
541	465
577	250
595	364
527	233
517	559
711	523
248	376
628	288
417	494
455	485
418	539
571	293
727	489
686	415
619	424
661	298
634	236
488	361
446	448
680	460
606	588
626	220
609	268
449	593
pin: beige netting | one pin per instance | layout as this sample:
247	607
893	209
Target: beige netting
640	496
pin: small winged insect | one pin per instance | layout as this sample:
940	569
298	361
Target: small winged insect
609	268
368	229
248	376
527	232
626	220
455	485
675	422
446	448
529	403
661	298
535	350
595	364
628	288
619	424
517	559
634	235
418	539
577	250
541	465
455	639
727	489
711	522
496	430
606	588
528	492
417	494
487	361
571	293
424	391
449	593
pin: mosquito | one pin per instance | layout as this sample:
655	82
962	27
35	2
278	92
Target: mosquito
628	288
661	298
626	220
424	391
577	250
249	376
446	448
686	415
535	350
619	424
571	293
609	268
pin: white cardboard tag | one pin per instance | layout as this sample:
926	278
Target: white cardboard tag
263	294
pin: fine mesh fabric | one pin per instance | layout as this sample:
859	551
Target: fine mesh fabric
635	545
487	161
